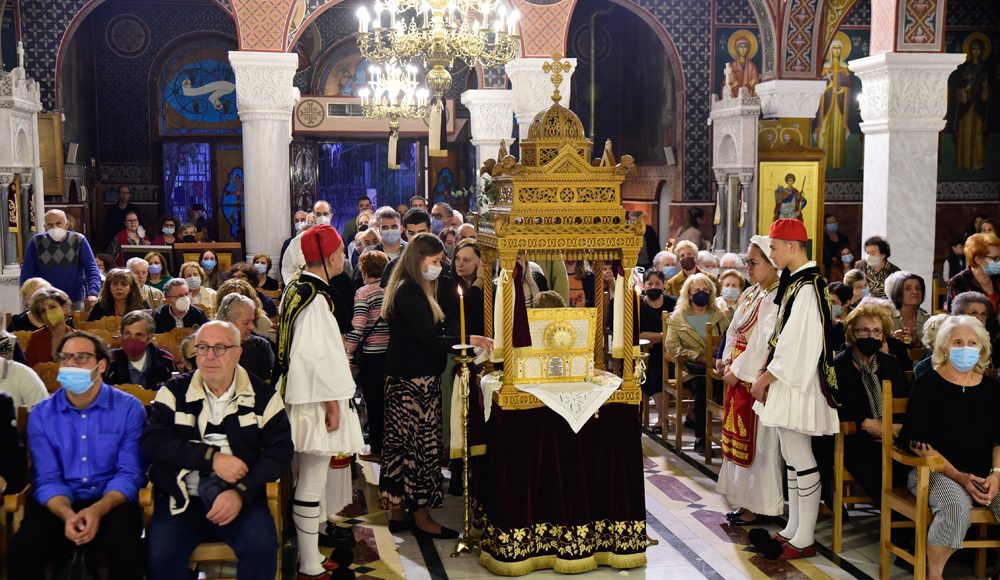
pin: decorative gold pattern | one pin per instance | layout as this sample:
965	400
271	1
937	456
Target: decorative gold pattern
570	543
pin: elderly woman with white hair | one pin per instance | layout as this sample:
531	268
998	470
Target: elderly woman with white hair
954	413
930	333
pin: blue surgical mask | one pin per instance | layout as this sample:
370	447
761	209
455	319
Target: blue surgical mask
208	264
169	231
992	269
730	293
865	293
261	268
75	379
847	258
436	225
670	272
831	227
837	310
155	269
963	358
391	237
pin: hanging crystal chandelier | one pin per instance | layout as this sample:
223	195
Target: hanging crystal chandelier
436	32
393	93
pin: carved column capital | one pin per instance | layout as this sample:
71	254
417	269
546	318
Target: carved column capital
264	89
786	99
532	87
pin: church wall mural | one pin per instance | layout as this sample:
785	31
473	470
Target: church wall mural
738	47
837	128
972	135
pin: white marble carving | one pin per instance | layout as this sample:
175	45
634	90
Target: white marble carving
265	97
785	99
905	99
734	156
532	88
491	113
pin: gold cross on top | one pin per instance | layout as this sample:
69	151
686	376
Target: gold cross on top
556	66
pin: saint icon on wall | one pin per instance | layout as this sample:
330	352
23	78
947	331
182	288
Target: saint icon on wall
743	72
970	94
834	108
789	201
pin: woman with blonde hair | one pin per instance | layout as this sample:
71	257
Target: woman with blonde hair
696	307
26	320
418	350
159	274
53	306
195	276
120	295
954	414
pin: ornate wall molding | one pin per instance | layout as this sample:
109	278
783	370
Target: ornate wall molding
800	41
790	98
491	114
904	91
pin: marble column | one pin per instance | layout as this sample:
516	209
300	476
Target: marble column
532	88
491	114
903	104
265	97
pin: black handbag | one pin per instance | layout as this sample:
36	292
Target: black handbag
358	359
78	565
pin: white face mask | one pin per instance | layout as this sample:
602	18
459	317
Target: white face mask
58	234
194	282
873	260
141	232
323	219
432	273
183	304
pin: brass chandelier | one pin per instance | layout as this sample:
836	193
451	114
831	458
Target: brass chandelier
393	93
436	32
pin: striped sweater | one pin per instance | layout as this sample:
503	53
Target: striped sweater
368	315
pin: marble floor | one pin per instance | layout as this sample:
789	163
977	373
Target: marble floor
684	515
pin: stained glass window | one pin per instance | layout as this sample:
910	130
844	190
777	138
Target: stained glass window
350	169
187	177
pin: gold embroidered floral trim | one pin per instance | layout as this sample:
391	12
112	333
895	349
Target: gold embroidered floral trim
564	542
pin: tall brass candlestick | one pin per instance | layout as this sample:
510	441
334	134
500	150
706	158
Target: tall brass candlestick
467	542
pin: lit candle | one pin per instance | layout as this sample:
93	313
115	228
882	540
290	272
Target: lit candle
638	299
461	313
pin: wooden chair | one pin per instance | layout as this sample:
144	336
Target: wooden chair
846	491
713	410
109	324
208	310
645	398
47	371
112	340
171	341
272	294
915	509
23	337
144	395
220	551
22	433
939	292
673	390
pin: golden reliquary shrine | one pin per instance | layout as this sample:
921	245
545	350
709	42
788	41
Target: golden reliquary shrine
557	203
561	484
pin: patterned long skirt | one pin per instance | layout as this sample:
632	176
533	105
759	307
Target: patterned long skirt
411	446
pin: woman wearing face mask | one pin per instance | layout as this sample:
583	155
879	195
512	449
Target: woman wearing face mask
982	274
732	283
859	288
262	265
954	413
168	232
133	234
194	275
213	273
834	242
696	306
367	241
582	283
654	303
119	295
860	371
188	234
840	298
876	266
687	258
52	306
449	237
418	349
159	275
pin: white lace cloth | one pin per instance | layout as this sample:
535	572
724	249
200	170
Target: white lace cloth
575	402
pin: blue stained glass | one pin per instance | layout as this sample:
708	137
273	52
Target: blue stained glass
203	91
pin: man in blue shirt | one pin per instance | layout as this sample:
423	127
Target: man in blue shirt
64	259
87	469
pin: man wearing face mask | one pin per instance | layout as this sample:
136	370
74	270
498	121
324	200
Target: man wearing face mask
139	361
176	311
299	224
441	217
796	389
687	257
323	212
87	470
64	259
313	376
391	232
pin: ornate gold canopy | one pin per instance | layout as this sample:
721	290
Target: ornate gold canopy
559	204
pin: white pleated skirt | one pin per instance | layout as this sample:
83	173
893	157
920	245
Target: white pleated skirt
309	433
802	410
757	488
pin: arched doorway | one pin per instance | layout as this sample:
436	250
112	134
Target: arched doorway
629	87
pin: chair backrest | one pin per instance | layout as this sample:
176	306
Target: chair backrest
112	340
23	337
207	309
910	376
144	395
917	354
712	342
171	341
272	294
22	422
938	294
895	406
47	371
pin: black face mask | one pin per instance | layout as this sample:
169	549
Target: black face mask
654	293
868	346
189	239
688	264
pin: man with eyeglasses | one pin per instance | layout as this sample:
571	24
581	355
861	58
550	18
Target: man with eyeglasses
214	438
64	259
176	311
87	469
391	234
